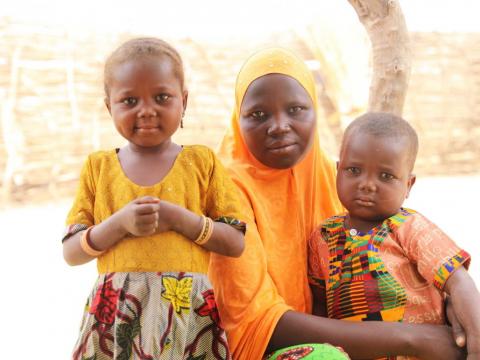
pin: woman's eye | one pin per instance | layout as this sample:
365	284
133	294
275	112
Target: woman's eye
162	97
294	109
353	170
130	101
259	115
386	176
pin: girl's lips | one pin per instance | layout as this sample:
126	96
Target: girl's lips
146	129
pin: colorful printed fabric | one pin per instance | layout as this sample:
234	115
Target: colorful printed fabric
197	181
309	351
151	316
395	272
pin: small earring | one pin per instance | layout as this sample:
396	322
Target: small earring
181	123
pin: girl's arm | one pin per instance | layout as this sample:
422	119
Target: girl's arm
139	218
466	304
225	239
366	340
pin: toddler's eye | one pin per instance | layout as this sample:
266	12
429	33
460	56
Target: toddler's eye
353	170
259	115
130	101
386	176
162	98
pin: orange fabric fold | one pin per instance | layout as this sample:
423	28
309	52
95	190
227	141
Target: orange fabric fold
283	207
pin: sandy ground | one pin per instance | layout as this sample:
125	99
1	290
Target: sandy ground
43	297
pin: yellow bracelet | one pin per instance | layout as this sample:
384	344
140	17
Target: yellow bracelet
206	233
85	244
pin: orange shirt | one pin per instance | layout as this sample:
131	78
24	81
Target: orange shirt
395	272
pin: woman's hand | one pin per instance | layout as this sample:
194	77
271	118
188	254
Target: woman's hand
140	217
458	332
437	343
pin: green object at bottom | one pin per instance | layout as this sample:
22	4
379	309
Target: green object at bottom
309	351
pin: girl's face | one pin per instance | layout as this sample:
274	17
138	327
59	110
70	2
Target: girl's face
277	120
146	101
374	178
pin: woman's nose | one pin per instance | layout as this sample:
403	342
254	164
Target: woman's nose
280	125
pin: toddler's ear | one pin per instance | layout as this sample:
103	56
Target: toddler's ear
107	104
411	180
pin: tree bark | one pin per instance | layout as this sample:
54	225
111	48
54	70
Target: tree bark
385	25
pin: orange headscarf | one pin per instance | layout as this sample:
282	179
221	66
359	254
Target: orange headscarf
283	207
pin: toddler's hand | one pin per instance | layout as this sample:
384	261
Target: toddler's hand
140	217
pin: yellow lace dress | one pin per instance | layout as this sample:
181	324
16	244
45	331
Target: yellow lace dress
152	299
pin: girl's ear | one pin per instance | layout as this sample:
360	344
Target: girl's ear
107	104
185	100
411	181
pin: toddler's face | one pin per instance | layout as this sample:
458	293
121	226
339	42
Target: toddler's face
146	101
374	178
277	120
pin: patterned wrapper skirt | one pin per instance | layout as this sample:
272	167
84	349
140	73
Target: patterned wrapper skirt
149	315
309	351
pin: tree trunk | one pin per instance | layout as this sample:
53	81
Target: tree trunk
385	25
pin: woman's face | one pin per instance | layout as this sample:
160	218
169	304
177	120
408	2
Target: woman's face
277	120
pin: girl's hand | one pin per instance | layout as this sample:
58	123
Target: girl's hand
140	217
168	216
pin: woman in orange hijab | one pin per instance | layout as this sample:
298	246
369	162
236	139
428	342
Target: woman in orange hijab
273	154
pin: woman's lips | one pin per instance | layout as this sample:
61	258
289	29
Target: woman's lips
281	147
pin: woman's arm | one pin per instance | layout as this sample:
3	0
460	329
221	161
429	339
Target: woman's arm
466	304
366	340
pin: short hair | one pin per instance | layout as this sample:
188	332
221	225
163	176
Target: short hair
142	48
384	125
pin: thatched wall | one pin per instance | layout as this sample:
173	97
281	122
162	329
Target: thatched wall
52	112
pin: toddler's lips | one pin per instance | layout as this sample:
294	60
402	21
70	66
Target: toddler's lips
364	202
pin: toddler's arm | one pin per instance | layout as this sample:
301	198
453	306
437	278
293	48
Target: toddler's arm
225	239
140	217
466	304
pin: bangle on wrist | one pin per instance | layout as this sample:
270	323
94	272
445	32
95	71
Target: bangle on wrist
86	244
206	233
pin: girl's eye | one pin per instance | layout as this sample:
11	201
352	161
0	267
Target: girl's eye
386	176
353	170
162	98
130	101
258	115
294	109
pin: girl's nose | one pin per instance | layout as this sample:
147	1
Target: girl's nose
280	125
147	110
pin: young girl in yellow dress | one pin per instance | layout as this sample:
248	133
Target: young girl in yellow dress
151	212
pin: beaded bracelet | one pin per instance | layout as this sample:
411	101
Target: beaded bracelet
206	233
85	244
